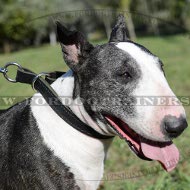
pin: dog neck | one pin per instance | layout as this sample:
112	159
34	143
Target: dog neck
82	154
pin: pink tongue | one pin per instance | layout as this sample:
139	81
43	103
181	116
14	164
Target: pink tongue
168	155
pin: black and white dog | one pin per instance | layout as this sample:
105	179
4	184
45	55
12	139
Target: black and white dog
39	150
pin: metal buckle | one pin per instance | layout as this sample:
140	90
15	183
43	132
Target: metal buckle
5	71
37	76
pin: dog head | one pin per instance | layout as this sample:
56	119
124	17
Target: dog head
112	80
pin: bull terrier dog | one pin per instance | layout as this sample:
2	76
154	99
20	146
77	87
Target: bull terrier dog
39	150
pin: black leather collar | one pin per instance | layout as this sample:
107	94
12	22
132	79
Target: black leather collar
42	86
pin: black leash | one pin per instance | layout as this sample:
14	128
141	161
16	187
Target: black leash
42	86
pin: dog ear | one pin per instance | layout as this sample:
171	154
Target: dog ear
119	31
74	46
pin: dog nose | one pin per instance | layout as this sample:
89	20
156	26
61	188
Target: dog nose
174	126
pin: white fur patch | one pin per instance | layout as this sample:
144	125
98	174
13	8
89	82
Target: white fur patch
152	84
84	155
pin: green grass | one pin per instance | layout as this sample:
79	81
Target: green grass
134	174
45	58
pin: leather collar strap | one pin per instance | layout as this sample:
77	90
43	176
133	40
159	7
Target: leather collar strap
26	76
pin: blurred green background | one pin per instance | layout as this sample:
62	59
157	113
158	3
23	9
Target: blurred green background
28	36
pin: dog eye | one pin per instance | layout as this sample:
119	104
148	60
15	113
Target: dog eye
126	75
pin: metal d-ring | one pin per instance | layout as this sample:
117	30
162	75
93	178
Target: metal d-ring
5	71
37	76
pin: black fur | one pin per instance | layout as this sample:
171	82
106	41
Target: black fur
105	79
119	32
25	161
104	87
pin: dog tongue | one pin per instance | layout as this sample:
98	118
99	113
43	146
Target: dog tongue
167	154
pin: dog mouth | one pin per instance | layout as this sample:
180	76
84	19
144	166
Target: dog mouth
164	152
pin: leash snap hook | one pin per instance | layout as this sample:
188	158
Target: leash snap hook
38	76
5	71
